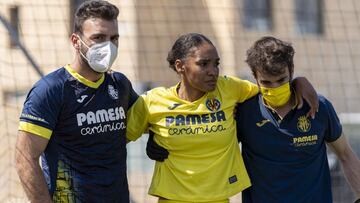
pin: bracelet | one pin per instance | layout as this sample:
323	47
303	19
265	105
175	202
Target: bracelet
357	201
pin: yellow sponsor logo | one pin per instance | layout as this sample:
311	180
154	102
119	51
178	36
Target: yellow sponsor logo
305	140
303	124
309	138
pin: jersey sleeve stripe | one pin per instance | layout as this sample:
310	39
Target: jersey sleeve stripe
35	129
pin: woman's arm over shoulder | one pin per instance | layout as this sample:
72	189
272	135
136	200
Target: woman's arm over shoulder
241	89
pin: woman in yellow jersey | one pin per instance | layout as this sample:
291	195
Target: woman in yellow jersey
194	121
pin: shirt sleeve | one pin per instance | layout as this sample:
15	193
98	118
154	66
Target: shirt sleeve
41	109
239	119
242	89
333	128
122	80
133	96
137	119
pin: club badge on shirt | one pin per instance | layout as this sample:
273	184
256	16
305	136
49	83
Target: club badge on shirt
213	104
114	94
303	124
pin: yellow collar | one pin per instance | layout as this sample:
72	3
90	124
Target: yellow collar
83	80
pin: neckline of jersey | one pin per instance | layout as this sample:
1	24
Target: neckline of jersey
275	117
83	80
174	91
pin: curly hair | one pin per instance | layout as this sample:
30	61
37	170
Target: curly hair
270	55
183	47
94	9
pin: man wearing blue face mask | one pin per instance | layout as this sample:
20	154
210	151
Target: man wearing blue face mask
284	150
75	119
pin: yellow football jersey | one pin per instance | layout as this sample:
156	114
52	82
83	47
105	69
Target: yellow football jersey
204	162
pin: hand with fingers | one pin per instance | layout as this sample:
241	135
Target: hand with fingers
306	91
155	151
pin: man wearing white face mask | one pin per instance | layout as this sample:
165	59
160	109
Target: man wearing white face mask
75	118
284	151
100	56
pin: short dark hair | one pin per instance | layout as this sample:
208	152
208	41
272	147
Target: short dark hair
270	55
94	9
183	45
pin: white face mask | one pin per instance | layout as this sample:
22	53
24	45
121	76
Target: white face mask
100	56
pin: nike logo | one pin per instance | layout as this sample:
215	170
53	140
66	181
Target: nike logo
263	122
174	106
81	100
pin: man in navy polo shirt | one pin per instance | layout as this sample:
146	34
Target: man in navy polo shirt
75	119
284	150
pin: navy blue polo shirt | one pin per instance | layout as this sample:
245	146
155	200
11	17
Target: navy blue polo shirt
85	122
286	160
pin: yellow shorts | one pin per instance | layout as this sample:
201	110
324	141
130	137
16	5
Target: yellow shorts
161	200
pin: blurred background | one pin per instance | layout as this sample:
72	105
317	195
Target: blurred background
34	40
